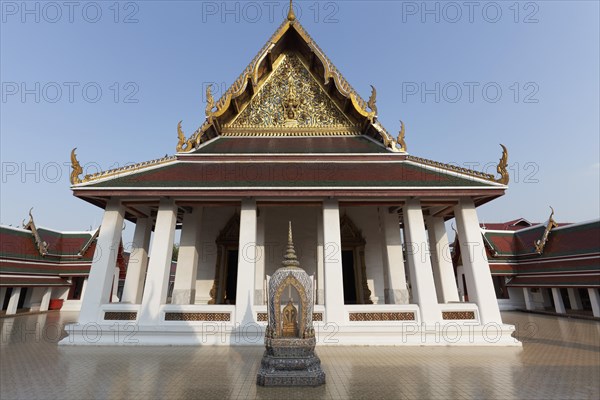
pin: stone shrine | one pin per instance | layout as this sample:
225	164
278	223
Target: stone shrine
289	358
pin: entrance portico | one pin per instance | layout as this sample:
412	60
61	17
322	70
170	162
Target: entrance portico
292	141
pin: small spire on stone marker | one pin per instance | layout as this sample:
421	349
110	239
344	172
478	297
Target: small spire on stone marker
290	259
291	15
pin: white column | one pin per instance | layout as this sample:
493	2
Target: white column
159	265
595	300
528	300
332	263
443	271
475	263
138	262
84	287
247	254
320	270
184	288
421	275
574	299
45	303
395	291
14	301
559	305
105	259
259	278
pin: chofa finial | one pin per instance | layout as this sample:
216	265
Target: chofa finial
372	103
502	167
401	137
77	170
291	16
183	145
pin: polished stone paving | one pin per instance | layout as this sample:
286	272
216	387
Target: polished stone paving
560	359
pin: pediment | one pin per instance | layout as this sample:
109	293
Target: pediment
291	99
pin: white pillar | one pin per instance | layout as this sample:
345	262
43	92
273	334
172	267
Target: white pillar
159	265
575	299
477	269
45	303
105	259
138	262
184	288
528	300
259	278
320	270
332	263
395	291
595	300
443	271
14	301
559	305
247	254
421	275
84	287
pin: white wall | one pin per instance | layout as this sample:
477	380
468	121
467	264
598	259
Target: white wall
214	220
367	220
304	227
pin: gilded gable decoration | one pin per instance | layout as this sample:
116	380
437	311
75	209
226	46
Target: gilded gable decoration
291	98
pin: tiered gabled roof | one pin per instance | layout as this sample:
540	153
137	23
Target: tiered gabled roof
290	104
37	256
544	255
290	69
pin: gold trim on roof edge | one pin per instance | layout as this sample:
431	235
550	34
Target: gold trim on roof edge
501	168
450	167
128	168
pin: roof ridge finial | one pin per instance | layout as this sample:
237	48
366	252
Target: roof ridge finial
290	259
291	16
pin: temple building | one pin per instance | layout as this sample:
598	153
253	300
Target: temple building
42	268
542	267
291	140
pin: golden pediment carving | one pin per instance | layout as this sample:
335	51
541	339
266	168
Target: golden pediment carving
291	97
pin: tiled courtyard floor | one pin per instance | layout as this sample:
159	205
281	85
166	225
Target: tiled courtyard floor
560	359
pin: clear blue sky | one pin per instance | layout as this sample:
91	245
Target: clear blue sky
168	51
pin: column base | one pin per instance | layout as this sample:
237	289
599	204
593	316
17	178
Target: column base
396	296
